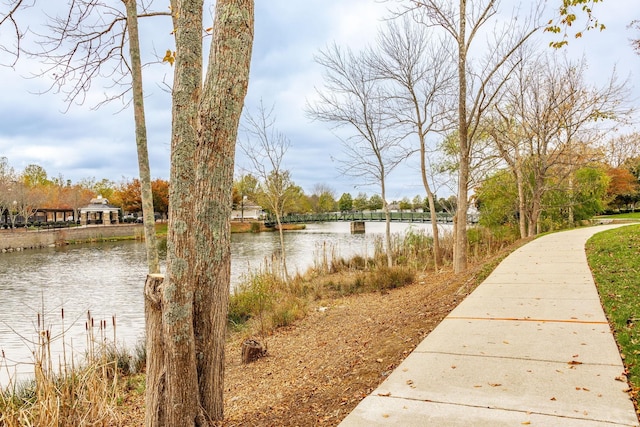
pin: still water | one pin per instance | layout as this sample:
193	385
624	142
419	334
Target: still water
107	280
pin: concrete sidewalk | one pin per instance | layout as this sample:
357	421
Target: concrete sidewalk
530	346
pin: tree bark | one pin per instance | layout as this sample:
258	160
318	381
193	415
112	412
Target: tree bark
155	389
221	106
196	288
460	234
387	225
141	138
283	252
181	400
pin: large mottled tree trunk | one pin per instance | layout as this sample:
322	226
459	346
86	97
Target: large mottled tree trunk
195	290
220	110
181	397
141	138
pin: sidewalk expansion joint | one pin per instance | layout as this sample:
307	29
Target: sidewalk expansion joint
529	319
496	408
522	358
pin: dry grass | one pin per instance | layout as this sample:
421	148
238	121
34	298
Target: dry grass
266	301
73	391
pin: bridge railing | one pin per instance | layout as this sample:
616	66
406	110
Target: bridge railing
360	216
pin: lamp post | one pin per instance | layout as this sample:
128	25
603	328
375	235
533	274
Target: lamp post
14	214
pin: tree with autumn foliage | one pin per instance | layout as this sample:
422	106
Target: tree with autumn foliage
623	191
128	196
569	19
160	189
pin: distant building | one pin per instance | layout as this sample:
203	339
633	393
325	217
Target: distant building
247	210
99	211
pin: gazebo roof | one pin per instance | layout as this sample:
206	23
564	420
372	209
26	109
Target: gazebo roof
99	204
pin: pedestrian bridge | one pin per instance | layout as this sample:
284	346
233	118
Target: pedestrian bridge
443	217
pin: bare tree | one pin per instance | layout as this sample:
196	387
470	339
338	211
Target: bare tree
618	149
265	147
27	199
544	123
8	18
479	83
421	78
353	97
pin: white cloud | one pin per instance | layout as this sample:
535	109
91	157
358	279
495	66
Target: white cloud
85	143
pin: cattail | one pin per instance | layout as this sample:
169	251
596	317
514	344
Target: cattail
62	313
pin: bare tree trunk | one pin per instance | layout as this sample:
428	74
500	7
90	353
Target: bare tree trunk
536	207
437	256
437	253
283	253
522	220
460	235
387	235
155	388
141	138
571	219
387	220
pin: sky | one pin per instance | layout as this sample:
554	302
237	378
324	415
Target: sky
79	141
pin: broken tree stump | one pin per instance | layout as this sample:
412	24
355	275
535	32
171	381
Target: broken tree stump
252	350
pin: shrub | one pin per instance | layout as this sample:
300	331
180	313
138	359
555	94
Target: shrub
384	278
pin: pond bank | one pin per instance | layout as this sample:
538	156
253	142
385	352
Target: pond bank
20	239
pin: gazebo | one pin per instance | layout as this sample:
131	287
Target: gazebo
99	211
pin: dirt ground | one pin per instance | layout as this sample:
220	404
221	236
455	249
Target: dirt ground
318	370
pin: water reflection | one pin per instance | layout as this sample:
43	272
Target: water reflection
107	280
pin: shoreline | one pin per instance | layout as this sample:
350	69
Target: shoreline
20	239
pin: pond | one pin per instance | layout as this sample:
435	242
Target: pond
106	280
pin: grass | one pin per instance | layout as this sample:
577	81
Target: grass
628	215
614	259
